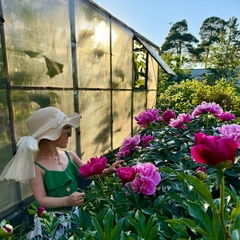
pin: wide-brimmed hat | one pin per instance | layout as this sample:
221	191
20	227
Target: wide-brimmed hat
47	123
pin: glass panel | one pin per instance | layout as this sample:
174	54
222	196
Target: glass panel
139	105
93	46
121	57
26	190
39	52
95	123
27	102
8	195
153	69
151	99
121	116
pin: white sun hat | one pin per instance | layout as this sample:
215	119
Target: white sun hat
45	123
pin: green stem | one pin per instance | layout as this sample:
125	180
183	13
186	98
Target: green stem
100	180
221	213
103	186
133	195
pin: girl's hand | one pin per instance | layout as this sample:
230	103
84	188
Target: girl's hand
75	199
112	168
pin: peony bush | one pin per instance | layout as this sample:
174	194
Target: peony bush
180	180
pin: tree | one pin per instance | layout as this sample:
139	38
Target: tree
179	41
224	57
209	34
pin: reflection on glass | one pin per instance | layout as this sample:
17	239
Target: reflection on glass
93	47
140	65
122	55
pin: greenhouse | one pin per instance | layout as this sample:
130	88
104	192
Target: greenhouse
75	56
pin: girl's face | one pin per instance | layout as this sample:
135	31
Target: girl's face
67	130
64	137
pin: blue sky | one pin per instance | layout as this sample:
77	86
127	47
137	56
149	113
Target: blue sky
153	18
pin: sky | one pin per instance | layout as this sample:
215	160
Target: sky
154	18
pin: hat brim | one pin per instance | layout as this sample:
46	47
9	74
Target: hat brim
54	133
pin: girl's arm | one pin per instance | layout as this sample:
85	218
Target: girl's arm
39	192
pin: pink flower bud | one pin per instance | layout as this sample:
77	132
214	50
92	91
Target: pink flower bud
6	231
42	212
201	173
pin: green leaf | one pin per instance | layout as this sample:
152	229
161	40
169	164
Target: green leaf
181	223
150	224
125	236
108	223
197	212
152	231
141	219
176	196
136	225
200	187
117	229
237	222
31	211
98	228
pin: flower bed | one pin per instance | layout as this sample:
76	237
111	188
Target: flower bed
180	180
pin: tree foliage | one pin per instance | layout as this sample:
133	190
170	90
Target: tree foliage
183	96
179	41
209	33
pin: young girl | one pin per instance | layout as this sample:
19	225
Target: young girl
52	172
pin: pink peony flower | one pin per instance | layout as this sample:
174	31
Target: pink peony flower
146	140
147	116
93	166
131	141
127	145
181	121
231	131
168	115
147	178
126	174
214	150
205	107
226	116
123	151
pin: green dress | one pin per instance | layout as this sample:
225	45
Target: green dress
61	183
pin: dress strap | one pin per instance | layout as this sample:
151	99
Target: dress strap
41	166
69	158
